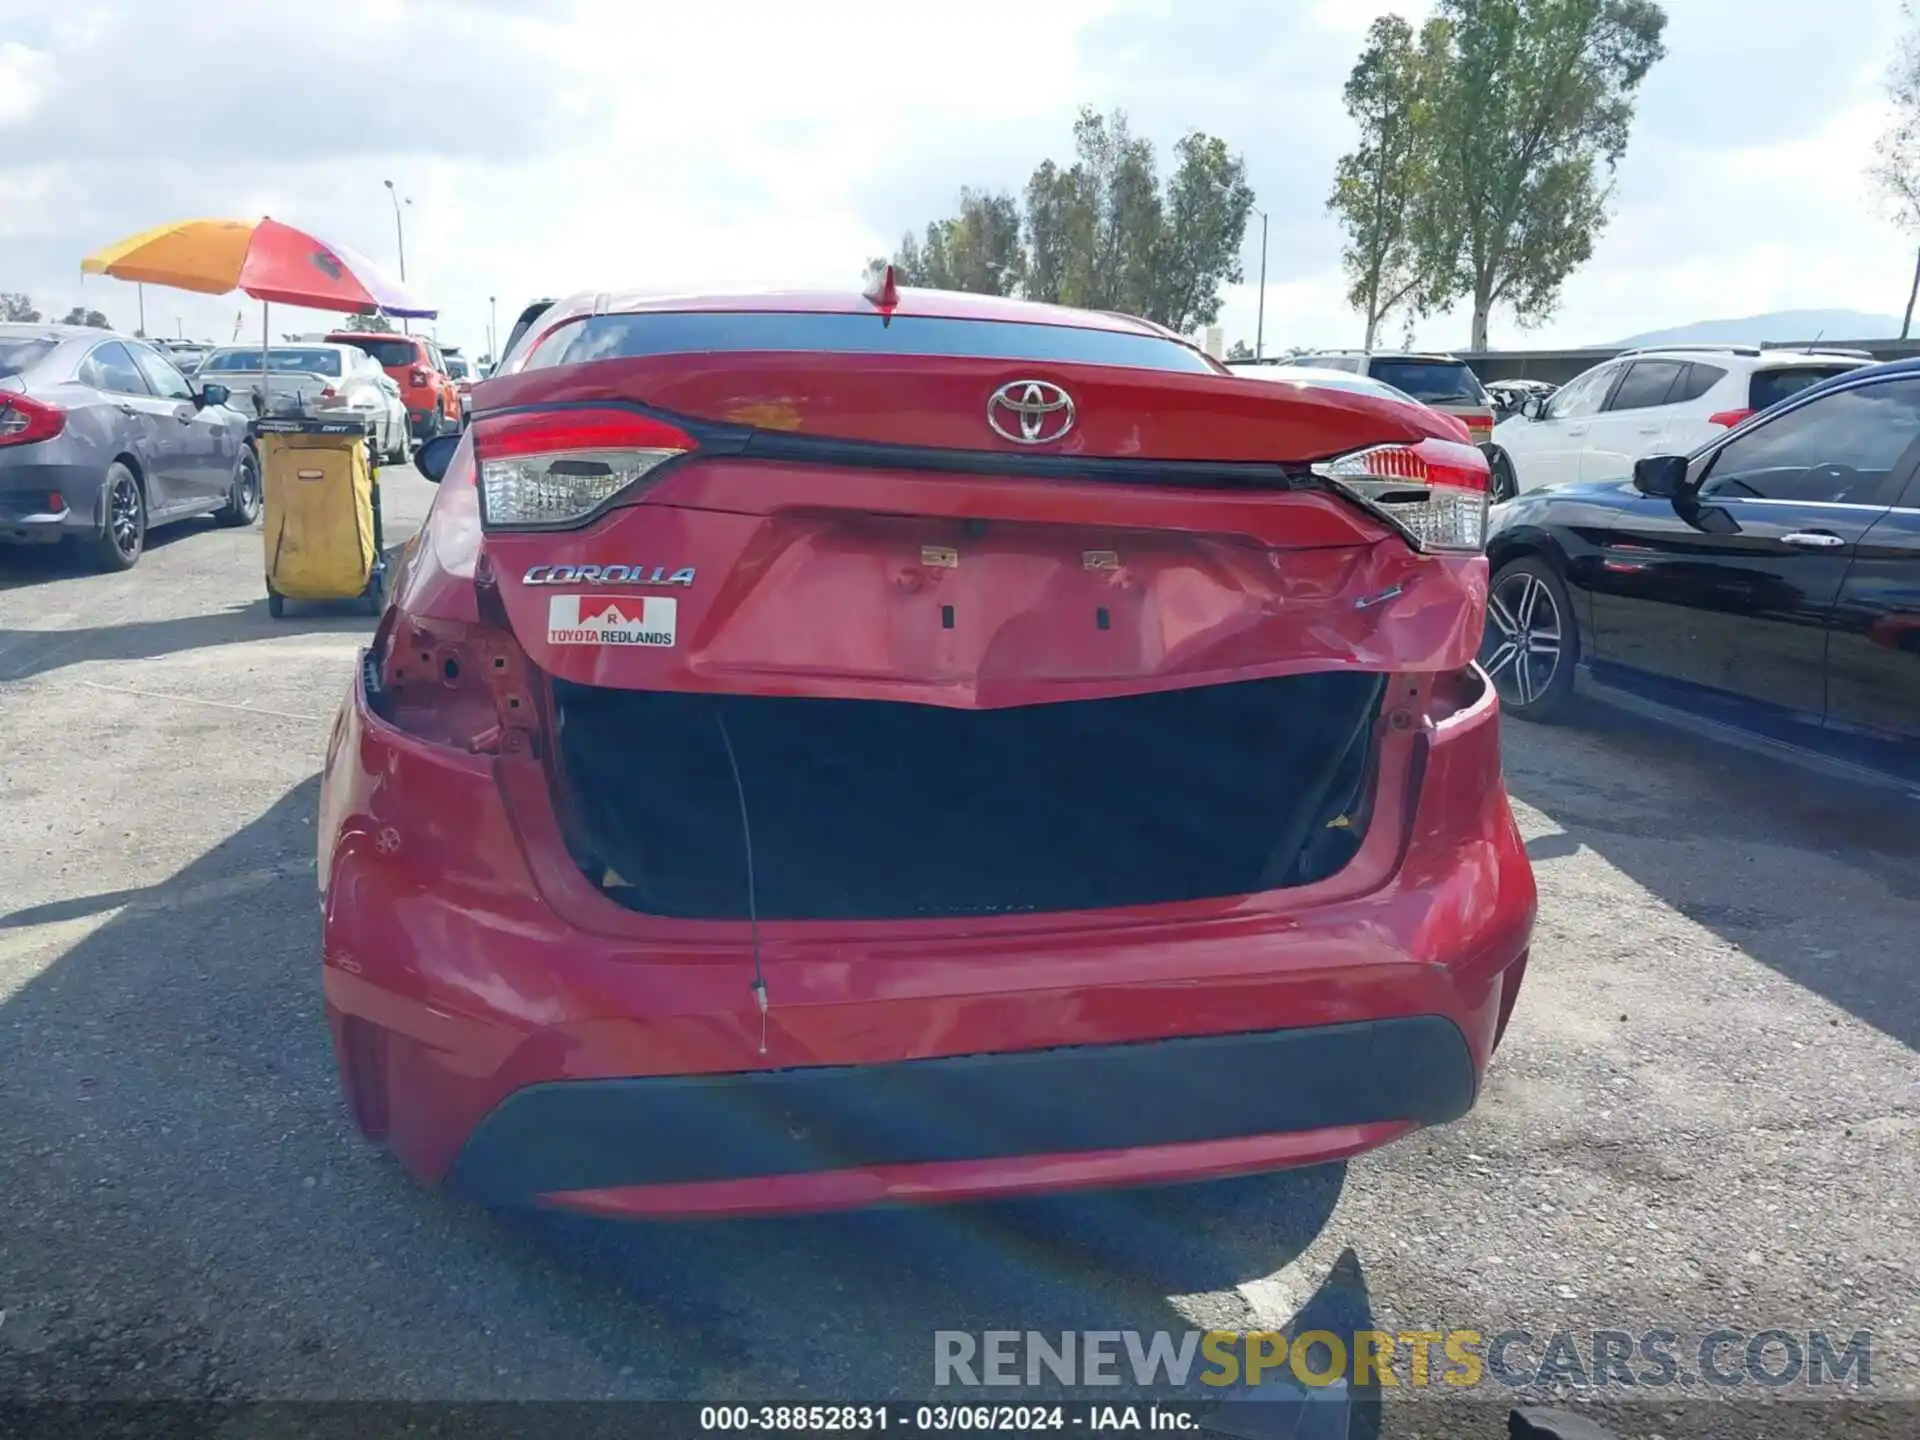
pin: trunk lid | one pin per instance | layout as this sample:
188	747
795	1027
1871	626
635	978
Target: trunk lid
858	529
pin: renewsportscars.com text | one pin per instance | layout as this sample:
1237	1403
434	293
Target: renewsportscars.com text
1461	1359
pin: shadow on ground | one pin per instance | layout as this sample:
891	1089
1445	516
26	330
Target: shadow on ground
25	654
1855	951
38	564
189	1214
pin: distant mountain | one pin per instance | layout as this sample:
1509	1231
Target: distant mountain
1779	325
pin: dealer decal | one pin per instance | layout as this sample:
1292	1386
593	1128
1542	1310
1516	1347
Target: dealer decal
611	619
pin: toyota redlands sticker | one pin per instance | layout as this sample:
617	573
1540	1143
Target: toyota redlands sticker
611	619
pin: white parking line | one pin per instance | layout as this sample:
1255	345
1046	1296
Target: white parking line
196	700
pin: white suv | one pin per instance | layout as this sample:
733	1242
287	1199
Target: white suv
1664	401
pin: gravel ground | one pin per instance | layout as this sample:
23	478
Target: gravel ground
1706	1113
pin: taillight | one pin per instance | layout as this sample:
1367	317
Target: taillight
327	392
559	467
1435	491
25	421
418	377
1480	424
1728	418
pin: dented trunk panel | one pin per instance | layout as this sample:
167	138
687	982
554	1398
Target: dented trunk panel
802	597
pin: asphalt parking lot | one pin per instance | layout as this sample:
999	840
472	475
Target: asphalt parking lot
1707	1112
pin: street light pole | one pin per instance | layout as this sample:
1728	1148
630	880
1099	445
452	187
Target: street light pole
399	239
493	354
1260	325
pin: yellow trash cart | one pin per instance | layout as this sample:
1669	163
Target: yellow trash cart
322	525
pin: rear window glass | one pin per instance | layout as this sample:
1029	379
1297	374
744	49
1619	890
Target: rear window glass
456	367
387	352
1432	382
610	337
1353	364
19	356
1770	387
282	362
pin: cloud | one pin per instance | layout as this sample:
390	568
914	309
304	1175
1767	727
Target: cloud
742	143
233	83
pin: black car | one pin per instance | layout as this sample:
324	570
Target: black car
1768	582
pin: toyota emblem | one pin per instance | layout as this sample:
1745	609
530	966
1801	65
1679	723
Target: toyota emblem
1030	412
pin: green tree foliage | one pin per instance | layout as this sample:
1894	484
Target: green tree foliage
370	324
1208	201
80	315
1896	155
1239	350
1101	233
1383	189
1531	102
17	309
978	250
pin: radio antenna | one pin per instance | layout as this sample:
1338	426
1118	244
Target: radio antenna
753	903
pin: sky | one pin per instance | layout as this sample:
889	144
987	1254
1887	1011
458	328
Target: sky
550	146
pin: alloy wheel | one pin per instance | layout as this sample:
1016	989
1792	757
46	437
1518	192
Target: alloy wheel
1524	637
123	515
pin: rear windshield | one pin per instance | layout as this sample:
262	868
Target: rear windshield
1770	387
19	356
1353	364
1432	382
456	368
387	352
283	362
610	337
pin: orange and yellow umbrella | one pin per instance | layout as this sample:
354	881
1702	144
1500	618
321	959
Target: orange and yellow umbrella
264	258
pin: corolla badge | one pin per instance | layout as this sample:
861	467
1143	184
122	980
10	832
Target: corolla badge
1030	412
608	575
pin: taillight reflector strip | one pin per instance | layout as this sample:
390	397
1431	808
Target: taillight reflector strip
1434	491
555	468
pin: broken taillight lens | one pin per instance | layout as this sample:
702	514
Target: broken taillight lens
541	469
1434	492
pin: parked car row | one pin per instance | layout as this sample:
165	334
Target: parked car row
1766	581
1649	402
426	389
104	437
1727	534
330	381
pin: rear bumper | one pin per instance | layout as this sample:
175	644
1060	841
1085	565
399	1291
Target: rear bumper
42	500
501	1034
588	1137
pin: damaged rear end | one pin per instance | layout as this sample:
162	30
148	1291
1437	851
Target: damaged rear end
947	685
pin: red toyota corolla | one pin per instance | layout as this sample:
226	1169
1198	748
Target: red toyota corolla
905	746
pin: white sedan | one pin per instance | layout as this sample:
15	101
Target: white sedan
321	379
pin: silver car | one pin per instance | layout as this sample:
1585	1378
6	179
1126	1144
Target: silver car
102	438
329	381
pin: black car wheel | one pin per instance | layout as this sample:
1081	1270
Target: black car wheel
1505	484
124	533
1532	642
243	496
